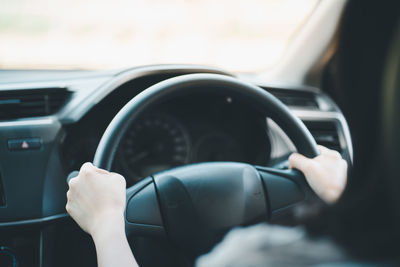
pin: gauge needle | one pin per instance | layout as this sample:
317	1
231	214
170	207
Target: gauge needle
139	156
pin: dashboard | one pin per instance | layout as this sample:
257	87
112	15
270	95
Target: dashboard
52	121
193	129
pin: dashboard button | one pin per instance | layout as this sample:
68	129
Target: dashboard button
24	144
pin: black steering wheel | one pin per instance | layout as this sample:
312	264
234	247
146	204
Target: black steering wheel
193	206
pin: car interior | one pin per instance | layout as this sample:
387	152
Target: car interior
194	142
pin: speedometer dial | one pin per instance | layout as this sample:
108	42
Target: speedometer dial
155	143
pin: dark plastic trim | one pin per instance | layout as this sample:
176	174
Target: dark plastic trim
35	221
2	196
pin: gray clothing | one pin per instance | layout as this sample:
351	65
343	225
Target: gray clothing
271	245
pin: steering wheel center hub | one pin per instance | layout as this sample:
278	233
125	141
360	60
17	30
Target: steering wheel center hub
203	201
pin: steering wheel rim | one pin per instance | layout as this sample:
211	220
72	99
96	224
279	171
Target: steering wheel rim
191	83
170	198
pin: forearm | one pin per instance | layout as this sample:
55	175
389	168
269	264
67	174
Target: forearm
112	247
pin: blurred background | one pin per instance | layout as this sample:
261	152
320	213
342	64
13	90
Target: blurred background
237	35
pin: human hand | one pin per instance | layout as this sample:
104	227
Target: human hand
96	199
326	174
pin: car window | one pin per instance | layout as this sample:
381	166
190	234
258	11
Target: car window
240	35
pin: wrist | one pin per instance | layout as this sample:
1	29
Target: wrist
111	224
332	196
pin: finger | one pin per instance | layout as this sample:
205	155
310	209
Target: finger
117	175
323	149
299	162
69	195
329	152
101	170
68	208
72	183
72	175
86	167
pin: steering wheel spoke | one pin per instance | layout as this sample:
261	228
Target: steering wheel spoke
285	189
142	213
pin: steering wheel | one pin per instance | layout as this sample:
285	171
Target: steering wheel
193	206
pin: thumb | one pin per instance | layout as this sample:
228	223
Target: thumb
299	162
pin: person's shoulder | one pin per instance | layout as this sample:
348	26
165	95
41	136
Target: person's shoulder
270	245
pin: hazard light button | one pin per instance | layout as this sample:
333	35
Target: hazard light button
24	144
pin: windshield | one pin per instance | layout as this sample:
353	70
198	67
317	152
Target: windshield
240	36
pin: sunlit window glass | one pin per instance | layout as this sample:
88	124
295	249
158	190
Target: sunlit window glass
237	35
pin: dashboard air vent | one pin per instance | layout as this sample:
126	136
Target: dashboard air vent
293	98
325	133
27	103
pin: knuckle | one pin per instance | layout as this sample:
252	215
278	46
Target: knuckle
122	180
72	185
292	157
86	168
119	178
336	154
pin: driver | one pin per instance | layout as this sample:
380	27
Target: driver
359	222
96	201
